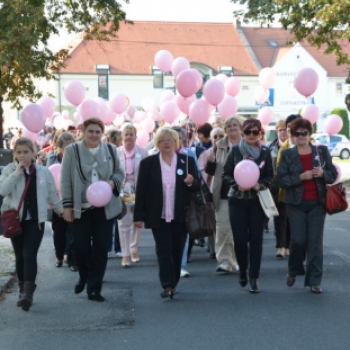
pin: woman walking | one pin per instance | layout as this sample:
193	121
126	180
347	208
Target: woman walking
130	156
246	215
84	163
304	172
33	213
162	195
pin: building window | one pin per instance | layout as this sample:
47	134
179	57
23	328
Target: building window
338	88
158	81
292	90
245	89
102	71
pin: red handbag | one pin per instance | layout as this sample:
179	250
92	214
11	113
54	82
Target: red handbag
336	201
11	224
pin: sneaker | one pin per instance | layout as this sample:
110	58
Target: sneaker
280	253
119	255
224	267
286	252
184	272
235	267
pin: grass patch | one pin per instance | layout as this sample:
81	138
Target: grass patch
337	160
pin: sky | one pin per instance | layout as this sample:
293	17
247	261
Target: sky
168	10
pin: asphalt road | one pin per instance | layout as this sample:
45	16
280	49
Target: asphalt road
210	311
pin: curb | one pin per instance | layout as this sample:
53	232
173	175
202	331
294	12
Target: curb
7	276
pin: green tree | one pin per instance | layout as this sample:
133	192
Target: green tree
343	113
26	26
320	22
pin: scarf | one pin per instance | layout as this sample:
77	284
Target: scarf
129	168
168	184
249	151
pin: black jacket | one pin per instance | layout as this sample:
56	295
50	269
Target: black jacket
290	168
149	190
266	172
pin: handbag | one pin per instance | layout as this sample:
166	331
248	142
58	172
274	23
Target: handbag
11	224
267	203
206	193
336	201
200	219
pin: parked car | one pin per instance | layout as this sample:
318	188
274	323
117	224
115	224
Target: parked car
338	145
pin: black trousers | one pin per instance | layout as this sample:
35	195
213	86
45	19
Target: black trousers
91	236
170	240
247	222
26	248
59	227
281	223
307	224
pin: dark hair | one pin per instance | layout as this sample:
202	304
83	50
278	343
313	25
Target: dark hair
292	117
205	129
93	121
251	123
300	123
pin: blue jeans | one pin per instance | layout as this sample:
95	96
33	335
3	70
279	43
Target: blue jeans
184	254
117	248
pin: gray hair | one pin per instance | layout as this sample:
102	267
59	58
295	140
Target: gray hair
64	136
215	130
180	131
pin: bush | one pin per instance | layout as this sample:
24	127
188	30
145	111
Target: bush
343	113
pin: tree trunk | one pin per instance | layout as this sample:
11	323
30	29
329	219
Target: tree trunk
1	123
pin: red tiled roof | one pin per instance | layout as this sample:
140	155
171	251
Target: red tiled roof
268	55
132	52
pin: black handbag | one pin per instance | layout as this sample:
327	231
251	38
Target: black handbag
204	190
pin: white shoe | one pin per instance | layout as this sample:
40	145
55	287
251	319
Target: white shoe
286	251
235	267
118	255
184	272
280	253
224	267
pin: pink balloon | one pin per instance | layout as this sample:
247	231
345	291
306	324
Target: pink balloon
119	120
306	81
65	114
187	83
89	109
103	112
154	114
167	95
163	60
118	103
232	86
246	173
199	77
169	111
139	116
55	170
211	108
131	111
41	141
48	104
267	77
110	116
142	138
184	103
311	113
29	135
222	77
339	173
199	112
99	194
148	124
261	95
33	117
228	107
67	124
74	92
58	123
78	119
333	124
265	115
179	64
214	91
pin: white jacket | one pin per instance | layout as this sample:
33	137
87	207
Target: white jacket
12	185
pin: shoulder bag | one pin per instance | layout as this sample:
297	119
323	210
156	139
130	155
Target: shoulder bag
336	201
267	203
11	224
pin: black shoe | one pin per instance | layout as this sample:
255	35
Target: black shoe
254	285
74	268
167	293
96	297
243	279
201	242
58	264
212	256
79	287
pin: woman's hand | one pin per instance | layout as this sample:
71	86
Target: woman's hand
189	180
68	214
112	184
41	158
256	187
211	156
241	189
317	172
138	224
307	175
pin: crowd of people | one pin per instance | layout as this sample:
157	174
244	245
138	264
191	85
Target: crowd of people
153	185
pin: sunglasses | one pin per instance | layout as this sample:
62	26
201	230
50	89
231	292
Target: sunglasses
218	136
300	133
249	132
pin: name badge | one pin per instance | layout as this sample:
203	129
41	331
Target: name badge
180	171
138	155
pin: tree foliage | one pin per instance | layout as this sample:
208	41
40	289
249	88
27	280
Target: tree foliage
25	28
322	23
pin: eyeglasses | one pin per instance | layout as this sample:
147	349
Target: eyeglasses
281	130
166	140
218	136
300	133
249	132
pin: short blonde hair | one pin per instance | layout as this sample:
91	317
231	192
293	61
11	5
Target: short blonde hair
166	130
280	123
128	126
231	119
